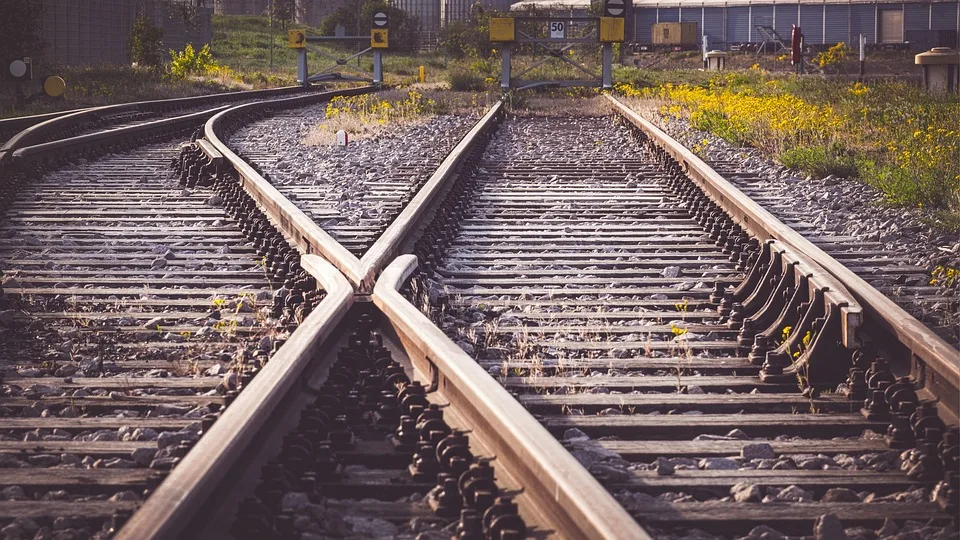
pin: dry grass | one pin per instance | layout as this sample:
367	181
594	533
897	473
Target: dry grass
372	115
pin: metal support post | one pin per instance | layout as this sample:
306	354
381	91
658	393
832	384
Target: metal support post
703	53
377	67
271	35
607	66
863	56
505	75
302	72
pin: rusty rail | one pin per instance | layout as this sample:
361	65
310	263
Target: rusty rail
103	139
930	358
557	486
34	128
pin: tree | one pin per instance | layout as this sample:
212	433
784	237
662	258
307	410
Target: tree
403	29
284	11
345	16
146	41
357	16
469	38
20	29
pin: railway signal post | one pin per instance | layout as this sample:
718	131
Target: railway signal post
379	39
545	33
611	31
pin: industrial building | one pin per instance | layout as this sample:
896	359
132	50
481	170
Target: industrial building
730	23
308	12
83	32
435	15
734	23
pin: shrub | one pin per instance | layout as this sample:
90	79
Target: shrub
833	56
820	160
21	29
145	42
190	62
464	80
721	125
895	137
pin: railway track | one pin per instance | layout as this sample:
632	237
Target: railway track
354	430
354	212
882	267
65	127
134	311
131	306
627	357
649	332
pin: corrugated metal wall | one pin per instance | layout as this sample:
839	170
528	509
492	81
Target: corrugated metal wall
669	15
713	27
786	16
427	12
916	16
944	16
691	14
863	21
811	21
738	24
838	24
760	16
643	22
844	22
454	11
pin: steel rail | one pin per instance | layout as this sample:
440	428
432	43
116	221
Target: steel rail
930	358
181	496
391	243
300	228
58	122
82	143
561	490
310	237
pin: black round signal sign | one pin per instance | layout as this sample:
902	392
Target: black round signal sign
380	19
614	8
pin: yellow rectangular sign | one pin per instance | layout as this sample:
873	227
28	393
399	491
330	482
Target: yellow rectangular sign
296	39
501	29
379	39
611	29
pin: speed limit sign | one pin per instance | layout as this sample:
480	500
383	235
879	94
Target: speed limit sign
558	30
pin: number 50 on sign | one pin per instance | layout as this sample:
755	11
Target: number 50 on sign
558	30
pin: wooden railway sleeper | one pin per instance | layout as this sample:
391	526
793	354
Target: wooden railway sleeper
832	318
794	292
825	323
914	425
366	382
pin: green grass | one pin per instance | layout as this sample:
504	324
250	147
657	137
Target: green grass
889	134
102	85
242	43
821	160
